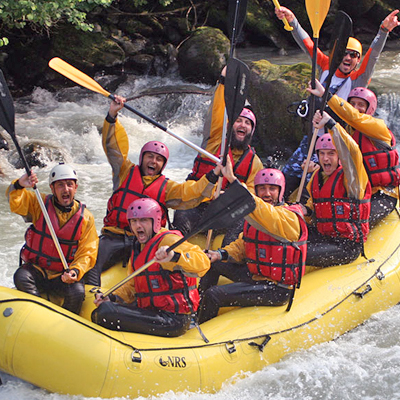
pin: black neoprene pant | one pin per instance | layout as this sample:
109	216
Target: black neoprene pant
130	318
29	279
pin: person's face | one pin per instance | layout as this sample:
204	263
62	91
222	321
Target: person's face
349	62
329	160
359	104
242	131
142	228
269	193
64	191
152	163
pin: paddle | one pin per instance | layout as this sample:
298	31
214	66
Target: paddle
235	94
236	15
285	21
7	121
235	203
344	25
84	80
316	11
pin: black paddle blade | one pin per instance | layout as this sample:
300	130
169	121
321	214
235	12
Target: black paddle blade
235	203
236	87
7	113
237	10
341	33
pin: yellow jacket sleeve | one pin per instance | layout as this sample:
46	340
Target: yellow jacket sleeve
236	249
355	175
374	128
214	121
116	147
277	221
188	194
350	156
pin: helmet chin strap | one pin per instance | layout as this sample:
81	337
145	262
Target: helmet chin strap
62	208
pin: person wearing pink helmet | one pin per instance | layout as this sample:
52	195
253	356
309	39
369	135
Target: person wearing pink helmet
377	144
244	159
132	181
267	260
160	300
339	204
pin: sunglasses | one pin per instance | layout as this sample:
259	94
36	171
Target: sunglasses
352	53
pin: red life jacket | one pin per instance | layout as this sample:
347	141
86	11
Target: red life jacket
39	248
382	165
159	289
280	261
132	188
241	169
336	214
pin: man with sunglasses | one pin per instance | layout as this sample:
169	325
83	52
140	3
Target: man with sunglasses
346	78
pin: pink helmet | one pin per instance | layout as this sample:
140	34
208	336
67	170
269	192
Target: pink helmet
146	208
271	176
368	96
247	113
325	142
155	147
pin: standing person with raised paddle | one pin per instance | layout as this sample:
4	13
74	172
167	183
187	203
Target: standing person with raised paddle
130	182
42	270
267	261
160	300
347	76
339	205
242	125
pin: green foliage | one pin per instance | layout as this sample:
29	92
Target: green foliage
43	14
3	41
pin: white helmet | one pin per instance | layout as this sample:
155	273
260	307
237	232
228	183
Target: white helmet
60	172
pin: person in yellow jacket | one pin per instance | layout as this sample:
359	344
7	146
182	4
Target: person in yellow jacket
340	193
132	181
161	299
267	260
377	144
244	159
42	269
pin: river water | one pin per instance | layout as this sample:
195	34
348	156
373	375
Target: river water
362	364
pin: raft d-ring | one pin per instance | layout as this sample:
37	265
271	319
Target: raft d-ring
230	347
367	289
380	275
136	356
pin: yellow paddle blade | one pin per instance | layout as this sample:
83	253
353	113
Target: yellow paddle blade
317	11
76	76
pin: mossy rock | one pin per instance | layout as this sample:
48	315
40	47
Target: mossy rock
202	57
272	89
90	49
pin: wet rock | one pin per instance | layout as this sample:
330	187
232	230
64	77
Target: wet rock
3	143
38	154
202	57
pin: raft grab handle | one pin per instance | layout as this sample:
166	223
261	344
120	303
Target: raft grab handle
367	289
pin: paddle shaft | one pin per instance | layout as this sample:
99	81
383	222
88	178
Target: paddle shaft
165	129
41	204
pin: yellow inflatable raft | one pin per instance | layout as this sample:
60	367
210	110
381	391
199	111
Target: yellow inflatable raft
61	352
